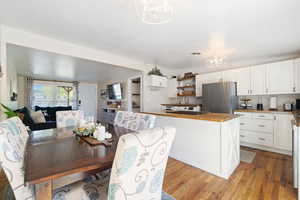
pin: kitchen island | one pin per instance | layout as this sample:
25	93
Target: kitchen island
207	141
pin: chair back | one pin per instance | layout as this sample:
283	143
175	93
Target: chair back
68	118
13	139
139	165
134	121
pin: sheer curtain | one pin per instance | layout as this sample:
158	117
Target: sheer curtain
28	91
76	84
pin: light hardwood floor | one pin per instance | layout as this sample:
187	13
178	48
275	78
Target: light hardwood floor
269	177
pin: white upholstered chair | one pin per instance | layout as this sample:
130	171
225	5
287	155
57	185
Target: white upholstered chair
139	165
68	118
134	121
13	138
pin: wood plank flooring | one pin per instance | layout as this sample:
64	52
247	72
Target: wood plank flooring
269	177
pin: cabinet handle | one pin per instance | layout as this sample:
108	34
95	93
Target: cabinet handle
261	126
242	123
263	139
294	89
261	116
267	90
242	135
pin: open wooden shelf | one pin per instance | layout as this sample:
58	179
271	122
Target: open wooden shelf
188	86
187	78
186	95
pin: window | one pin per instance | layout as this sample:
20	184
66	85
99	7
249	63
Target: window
47	93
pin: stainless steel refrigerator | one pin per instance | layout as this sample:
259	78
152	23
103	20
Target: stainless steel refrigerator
219	97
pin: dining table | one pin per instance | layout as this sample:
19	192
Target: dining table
57	157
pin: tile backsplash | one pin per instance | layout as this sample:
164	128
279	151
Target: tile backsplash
265	100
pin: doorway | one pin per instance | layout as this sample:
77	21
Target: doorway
135	94
87	93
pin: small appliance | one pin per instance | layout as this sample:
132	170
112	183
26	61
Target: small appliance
273	103
259	106
298	104
287	107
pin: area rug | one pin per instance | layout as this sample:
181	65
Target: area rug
247	156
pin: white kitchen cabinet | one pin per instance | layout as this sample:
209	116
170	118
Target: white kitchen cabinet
258	80
199	83
172	88
158	81
280	77
283	132
243	77
296	88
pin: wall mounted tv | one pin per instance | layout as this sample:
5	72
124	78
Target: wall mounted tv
114	91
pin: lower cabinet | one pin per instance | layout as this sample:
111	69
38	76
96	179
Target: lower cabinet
283	132
269	130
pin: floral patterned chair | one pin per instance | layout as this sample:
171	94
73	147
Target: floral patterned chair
13	138
68	118
134	121
139	165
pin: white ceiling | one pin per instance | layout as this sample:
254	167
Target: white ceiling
51	66
259	31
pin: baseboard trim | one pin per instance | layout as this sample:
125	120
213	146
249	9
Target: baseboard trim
265	148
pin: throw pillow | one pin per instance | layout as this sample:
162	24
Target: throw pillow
38	117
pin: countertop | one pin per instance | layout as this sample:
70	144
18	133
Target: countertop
263	111
179	105
214	117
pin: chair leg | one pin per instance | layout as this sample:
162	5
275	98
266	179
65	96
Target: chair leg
43	191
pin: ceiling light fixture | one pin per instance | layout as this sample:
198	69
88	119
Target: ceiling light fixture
154	11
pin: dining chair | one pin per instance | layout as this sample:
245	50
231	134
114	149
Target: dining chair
13	138
68	118
139	165
134	121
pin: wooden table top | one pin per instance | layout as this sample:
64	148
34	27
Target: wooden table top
213	117
55	153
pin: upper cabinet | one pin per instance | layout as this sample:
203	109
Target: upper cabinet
158	81
258	80
243	79
280	79
296	88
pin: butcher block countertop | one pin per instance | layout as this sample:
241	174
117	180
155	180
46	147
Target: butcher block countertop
263	111
214	117
181	105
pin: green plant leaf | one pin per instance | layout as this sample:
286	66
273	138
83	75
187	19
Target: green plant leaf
9	112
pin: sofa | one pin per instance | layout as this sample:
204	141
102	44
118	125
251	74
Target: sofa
49	113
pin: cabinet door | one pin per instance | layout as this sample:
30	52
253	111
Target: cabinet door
280	77
258	80
296	88
199	83
243	81
172	87
283	132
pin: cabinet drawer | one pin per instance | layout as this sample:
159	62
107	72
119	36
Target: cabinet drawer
245	123
263	116
244	114
262	125
256	138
